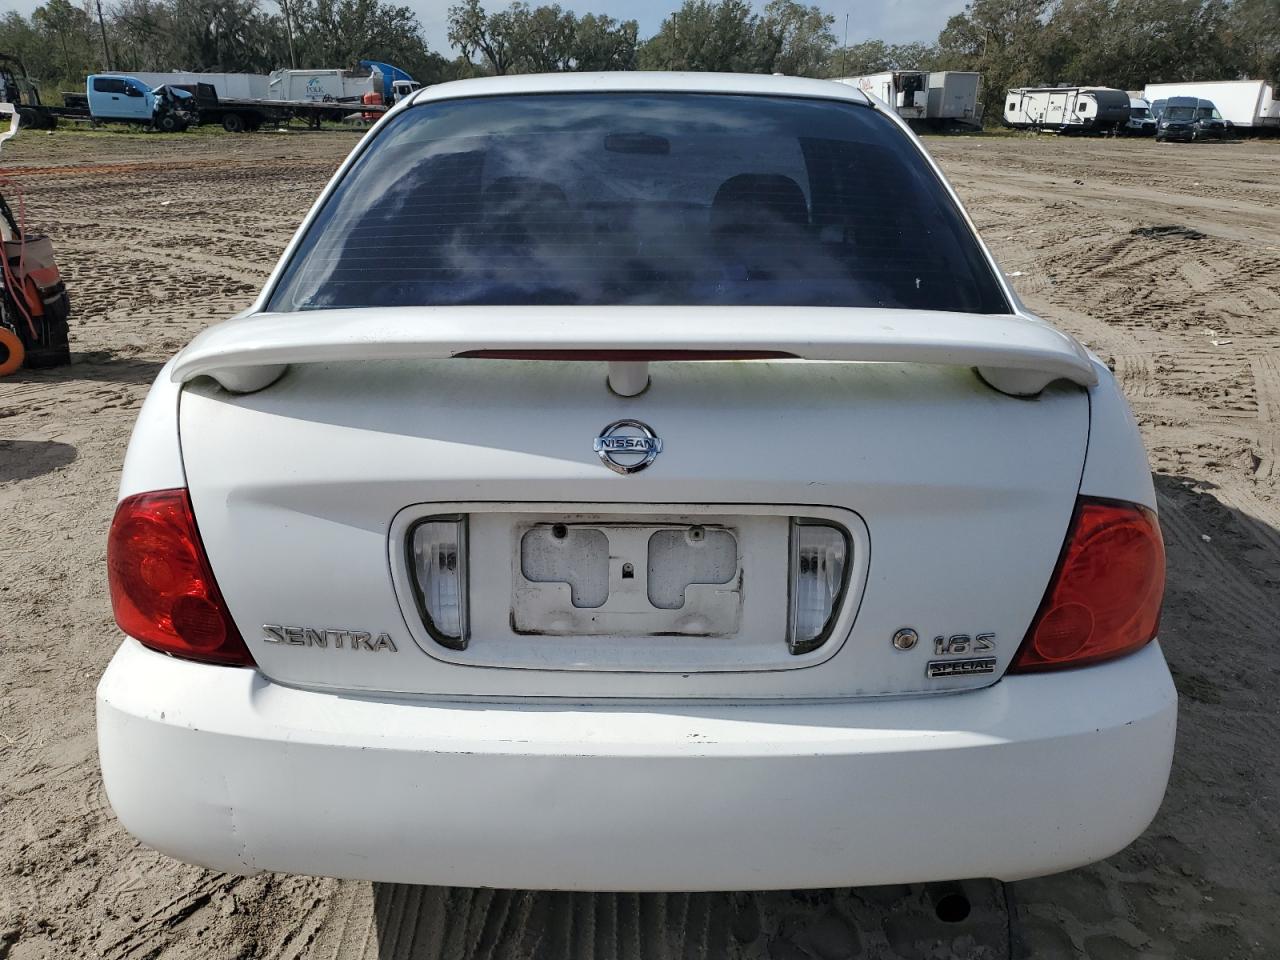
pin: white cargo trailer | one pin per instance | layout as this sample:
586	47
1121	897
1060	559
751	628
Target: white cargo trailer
1066	109
1246	103
953	96
907	91
228	86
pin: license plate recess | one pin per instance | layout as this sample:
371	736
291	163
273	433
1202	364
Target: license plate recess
626	579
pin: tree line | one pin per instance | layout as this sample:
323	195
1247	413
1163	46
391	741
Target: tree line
61	42
1118	43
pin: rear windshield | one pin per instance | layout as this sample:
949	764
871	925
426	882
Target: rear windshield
684	199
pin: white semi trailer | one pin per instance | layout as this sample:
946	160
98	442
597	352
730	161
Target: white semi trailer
923	98
907	91
953	97
228	86
1066	109
1248	104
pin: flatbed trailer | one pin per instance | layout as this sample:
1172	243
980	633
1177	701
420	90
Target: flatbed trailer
237	115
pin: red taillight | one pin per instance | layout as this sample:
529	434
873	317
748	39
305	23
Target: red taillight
162	590
1104	599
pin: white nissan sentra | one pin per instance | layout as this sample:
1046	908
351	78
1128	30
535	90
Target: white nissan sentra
637	482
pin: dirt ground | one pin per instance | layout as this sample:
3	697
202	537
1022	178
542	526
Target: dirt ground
1164	258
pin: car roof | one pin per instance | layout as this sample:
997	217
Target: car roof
638	81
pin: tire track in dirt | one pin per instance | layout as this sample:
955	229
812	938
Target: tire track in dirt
436	923
1266	378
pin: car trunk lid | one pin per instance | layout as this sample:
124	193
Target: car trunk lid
954	499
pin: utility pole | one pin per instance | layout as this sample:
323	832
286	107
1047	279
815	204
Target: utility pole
844	48
288	32
102	27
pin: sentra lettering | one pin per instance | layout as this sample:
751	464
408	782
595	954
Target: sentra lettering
327	637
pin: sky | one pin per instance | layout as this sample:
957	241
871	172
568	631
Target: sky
894	21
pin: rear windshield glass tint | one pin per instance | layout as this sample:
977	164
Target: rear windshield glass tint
640	199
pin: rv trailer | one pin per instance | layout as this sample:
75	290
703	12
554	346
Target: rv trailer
1066	109
1246	104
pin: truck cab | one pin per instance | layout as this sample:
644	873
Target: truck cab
1141	120
402	88
121	99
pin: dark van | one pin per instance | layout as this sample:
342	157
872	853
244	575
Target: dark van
1188	118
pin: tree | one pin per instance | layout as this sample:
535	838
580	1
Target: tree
602	43
1252	31
797	39
542	38
70	28
718	35
1004	40
339	33
524	39
875	56
473	31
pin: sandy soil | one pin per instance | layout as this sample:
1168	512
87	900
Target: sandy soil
1165	259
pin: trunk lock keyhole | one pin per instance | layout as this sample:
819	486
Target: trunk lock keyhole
628	572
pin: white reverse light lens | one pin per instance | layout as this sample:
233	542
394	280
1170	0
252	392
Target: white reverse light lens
818	560
438	555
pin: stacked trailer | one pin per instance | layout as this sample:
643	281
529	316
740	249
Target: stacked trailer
1067	109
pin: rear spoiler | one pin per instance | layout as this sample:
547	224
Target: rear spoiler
1014	354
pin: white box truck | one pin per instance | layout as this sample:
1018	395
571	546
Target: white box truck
1066	109
1247	104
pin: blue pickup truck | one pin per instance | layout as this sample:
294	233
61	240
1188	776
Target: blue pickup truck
117	99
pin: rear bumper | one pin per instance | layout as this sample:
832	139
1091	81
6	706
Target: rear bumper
221	767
